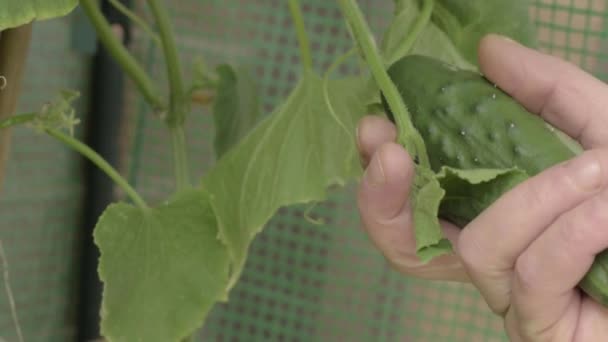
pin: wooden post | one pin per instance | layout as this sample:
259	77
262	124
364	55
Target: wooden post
14	48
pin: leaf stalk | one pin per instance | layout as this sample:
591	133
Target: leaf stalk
408	136
121	55
303	41
98	160
178	101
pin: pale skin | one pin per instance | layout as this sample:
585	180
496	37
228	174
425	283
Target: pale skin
527	252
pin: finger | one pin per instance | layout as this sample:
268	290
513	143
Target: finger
386	216
561	93
372	132
491	243
593	321
553	265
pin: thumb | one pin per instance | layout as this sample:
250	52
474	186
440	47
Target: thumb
383	201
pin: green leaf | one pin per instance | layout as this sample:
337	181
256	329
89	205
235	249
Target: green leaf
456	195
469	192
466	22
456	28
236	108
163	268
426	194
432	41
291	157
19	12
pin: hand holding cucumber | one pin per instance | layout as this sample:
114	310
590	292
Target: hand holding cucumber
530	249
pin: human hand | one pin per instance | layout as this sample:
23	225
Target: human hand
528	251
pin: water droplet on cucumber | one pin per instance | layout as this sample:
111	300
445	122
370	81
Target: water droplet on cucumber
439	111
517	150
478	108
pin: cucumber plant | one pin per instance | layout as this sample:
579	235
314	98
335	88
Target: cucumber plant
187	253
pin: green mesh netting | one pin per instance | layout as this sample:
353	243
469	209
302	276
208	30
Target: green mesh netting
303	282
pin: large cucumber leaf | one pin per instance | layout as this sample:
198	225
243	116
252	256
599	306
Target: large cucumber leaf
291	157
466	22
456	28
15	13
163	268
432	41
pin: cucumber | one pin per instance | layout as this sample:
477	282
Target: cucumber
595	282
469	123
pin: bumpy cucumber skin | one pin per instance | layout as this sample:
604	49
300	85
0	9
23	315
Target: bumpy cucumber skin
467	122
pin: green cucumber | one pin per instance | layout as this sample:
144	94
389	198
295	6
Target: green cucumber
469	123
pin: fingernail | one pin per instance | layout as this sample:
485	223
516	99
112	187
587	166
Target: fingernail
374	175
362	160
587	173
506	39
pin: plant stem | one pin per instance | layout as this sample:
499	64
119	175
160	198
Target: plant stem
408	136
421	21
18	120
121	55
178	143
178	102
298	19
176	114
96	159
136	20
14	48
341	59
9	293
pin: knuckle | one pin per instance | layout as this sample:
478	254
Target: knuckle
540	190
511	326
526	273
588	223
597	210
499	306
470	251
403	260
588	176
573	232
387	238
585	225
